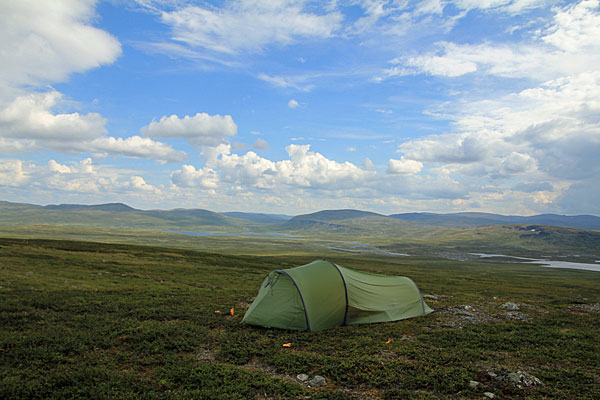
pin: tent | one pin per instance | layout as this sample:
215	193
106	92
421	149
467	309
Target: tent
322	295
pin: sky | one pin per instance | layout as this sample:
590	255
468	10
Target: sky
294	106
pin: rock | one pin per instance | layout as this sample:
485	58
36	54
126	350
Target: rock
489	395
473	384
493	375
431	297
318	380
517	316
510	306
522	379
302	377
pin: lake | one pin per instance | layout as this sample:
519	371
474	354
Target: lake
233	234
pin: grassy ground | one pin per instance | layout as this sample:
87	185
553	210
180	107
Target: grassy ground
82	319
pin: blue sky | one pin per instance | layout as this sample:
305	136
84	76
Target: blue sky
295	106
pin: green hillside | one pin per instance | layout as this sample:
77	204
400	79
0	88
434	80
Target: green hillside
107	321
114	215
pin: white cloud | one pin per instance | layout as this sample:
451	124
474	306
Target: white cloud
293	103
449	148
136	146
304	169
188	176
248	25
74	178
571	45
404	166
294	82
549	133
138	183
368	164
200	130
15	146
31	117
29	122
576	28
509	6
239	146
516	163
45	41
261	144
60	168
350	148
12	173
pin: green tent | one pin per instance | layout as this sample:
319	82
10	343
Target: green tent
322	295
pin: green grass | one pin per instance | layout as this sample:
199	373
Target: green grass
122	321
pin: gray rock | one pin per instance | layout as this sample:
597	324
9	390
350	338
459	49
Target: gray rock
431	297
302	377
489	395
473	384
318	380
510	306
522	379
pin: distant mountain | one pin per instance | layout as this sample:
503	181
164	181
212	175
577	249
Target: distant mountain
189	217
114	207
259	217
119	215
334	215
111	215
468	219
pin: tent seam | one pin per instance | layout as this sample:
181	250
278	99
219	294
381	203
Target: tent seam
301	297
345	288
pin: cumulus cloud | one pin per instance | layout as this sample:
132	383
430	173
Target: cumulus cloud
260	144
31	117
30	122
15	146
44	42
293	103
136	146
404	166
188	176
506	149
201	129
304	169
570	45
73	178
368	164
12	173
546	133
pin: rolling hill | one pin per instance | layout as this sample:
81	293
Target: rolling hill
119	215
468	219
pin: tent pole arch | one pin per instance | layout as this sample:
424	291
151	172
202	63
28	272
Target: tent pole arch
301	298
345	288
420	295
